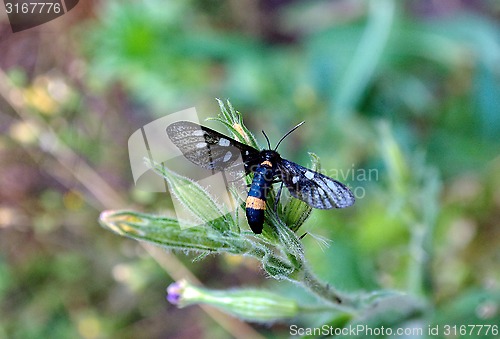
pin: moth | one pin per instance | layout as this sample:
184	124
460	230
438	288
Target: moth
214	151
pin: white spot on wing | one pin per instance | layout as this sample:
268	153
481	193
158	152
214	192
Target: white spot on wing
295	179
201	145
309	175
227	156
332	185
224	142
198	133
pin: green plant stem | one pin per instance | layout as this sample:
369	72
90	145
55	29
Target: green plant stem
417	261
420	248
422	225
324	291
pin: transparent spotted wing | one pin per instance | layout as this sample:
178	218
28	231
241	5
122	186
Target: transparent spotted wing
210	149
315	189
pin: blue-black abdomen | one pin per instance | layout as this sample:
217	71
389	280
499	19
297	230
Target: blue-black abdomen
256	200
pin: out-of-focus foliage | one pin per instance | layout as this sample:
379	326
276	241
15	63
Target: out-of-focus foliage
401	100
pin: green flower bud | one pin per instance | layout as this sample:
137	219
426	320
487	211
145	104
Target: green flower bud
247	304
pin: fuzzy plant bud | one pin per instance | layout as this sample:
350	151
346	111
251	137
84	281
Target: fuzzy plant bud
247	304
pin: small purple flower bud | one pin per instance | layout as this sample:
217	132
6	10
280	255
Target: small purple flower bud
174	291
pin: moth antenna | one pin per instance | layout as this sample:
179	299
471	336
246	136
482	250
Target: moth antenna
289	132
267	139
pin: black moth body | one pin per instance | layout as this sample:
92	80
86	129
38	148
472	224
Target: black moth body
214	151
263	176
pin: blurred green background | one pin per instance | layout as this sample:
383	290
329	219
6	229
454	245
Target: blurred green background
406	91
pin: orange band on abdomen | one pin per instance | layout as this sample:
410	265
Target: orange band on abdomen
255	203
